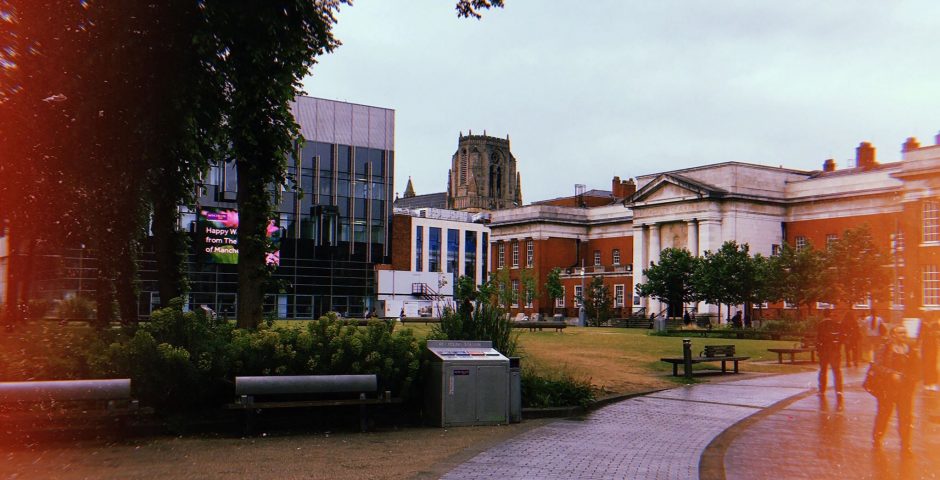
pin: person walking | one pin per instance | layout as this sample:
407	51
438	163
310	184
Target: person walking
895	375
829	347
851	337
875	331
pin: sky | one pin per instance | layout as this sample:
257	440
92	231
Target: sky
589	90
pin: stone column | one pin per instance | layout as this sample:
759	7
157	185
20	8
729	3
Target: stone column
709	234
639	261
692	237
654	248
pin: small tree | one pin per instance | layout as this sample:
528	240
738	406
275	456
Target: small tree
857	268
802	276
670	281
528	285
726	276
500	289
597	302
553	288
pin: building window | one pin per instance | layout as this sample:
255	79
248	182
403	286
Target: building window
597	258
515	254
618	296
897	294
515	294
616	257
434	249
775	249
419	249
528	299
578	291
500	255
801	243
560	301
453	247
931	286
529	254
932	221
865	304
470	254
824	306
831	240
788	305
485	252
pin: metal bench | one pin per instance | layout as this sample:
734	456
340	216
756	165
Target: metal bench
67	399
711	353
302	391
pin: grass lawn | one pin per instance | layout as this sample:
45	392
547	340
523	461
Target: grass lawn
626	360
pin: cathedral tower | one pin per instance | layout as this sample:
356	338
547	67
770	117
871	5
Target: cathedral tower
483	175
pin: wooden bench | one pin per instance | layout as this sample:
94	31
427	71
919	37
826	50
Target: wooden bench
424	320
67	400
303	391
711	353
807	345
533	326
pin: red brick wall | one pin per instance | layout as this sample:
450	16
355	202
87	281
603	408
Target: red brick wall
401	242
916	256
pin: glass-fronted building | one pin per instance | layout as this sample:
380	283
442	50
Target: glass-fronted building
332	220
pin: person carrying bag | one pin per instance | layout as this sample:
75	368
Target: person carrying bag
891	379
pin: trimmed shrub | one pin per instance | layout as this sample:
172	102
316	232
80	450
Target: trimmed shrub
486	322
557	390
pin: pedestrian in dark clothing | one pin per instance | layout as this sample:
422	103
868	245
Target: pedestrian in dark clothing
829	347
686	318
929	337
736	320
851	339
897	364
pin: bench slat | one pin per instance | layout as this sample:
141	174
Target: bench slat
301	384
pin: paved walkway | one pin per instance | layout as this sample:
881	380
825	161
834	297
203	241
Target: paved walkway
756	427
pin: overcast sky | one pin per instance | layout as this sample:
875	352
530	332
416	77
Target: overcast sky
587	90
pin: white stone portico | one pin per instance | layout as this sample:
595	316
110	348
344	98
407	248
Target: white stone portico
700	208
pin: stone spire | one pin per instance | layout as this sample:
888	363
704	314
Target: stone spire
409	189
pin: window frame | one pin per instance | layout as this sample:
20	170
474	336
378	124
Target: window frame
530	253
597	258
515	254
930	222
615	257
619	298
560	301
930	286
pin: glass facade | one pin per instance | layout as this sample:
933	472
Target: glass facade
470	254
434	249
419	249
453	249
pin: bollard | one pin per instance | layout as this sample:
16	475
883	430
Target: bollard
687	356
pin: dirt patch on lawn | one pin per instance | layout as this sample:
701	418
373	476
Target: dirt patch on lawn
391	454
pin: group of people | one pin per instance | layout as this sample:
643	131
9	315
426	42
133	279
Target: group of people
899	360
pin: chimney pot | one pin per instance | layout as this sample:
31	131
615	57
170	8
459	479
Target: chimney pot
910	144
829	165
865	155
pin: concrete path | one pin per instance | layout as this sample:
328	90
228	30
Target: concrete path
756	427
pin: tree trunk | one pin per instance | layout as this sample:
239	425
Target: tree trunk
170	246
252	245
128	285
104	293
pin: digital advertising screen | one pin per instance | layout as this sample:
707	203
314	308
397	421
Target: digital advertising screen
218	236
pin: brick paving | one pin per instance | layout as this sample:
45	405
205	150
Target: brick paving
664	436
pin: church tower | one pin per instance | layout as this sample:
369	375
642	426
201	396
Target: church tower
483	175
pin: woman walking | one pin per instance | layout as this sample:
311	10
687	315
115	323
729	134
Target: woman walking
895	376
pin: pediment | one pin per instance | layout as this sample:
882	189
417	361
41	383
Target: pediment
671	187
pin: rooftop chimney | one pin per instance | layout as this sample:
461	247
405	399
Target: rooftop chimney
910	144
622	189
865	155
829	165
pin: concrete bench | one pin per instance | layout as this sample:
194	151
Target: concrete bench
711	353
67	400
533	326
305	391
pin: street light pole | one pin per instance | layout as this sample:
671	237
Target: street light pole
581	313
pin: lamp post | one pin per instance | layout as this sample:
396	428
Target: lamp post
581	312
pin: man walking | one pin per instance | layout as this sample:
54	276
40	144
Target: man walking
829	346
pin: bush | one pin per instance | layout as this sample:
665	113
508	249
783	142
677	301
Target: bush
558	390
486	322
78	308
183	361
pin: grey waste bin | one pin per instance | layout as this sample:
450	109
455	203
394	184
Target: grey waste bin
515	390
468	384
659	324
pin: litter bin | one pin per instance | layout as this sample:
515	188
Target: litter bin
515	390
659	324
468	384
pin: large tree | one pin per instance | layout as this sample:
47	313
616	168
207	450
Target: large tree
670	280
802	276
726	276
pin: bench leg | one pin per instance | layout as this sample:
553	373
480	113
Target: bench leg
792	357
675	369
779	357
735	366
